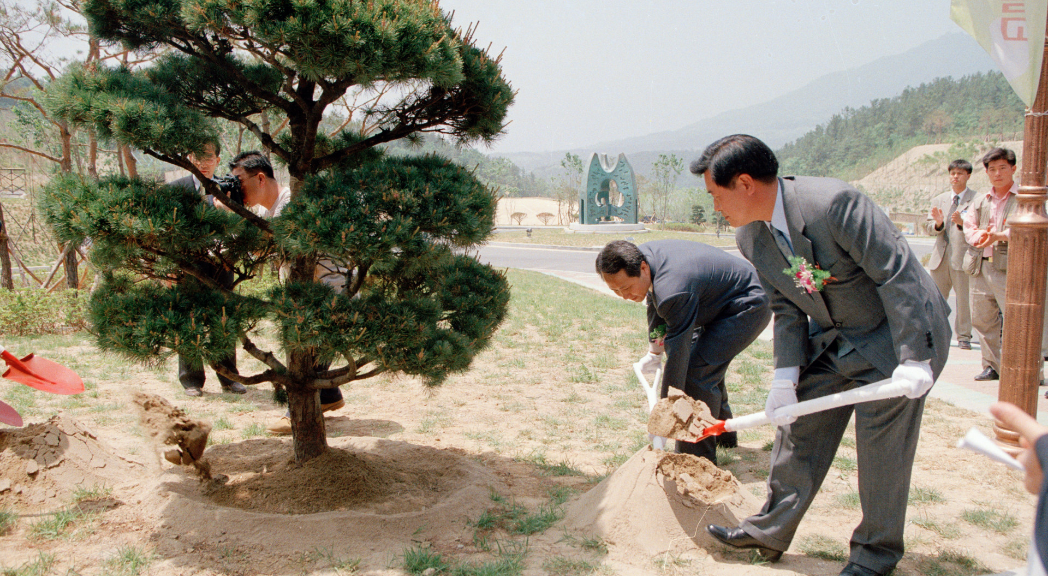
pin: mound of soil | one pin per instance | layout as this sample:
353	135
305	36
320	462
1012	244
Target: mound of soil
679	417
660	503
263	477
42	465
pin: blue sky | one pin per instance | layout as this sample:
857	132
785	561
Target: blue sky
589	71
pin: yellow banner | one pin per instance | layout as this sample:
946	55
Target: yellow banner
1012	31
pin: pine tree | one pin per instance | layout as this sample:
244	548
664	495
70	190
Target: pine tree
412	304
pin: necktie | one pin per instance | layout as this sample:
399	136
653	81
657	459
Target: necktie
782	242
953	205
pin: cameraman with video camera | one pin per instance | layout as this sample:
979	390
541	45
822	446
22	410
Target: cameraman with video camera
190	369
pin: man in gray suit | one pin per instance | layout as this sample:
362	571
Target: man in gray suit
704	308
878	316
944	223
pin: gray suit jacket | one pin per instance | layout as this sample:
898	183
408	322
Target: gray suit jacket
950	239
883	302
710	302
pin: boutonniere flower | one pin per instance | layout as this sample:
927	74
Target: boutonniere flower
810	278
658	335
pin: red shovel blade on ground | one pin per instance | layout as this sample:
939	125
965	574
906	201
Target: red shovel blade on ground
42	374
10	416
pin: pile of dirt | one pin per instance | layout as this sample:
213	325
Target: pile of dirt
679	417
171	426
658	503
42	465
263	477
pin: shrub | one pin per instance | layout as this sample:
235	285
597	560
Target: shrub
30	312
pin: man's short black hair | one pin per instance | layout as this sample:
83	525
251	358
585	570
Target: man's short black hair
215	144
998	154
737	154
960	165
252	162
619	255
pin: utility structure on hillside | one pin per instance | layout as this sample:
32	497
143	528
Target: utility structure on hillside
395	227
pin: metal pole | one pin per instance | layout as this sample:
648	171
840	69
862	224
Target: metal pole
1021	360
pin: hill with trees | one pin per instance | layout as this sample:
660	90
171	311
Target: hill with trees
980	107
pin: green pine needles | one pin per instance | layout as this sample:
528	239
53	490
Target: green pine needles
397	227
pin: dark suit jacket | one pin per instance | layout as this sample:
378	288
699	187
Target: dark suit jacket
883	302
1040	524
707	299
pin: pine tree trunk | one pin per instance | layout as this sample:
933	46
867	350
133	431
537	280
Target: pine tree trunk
129	161
307	419
307	424
71	275
6	281
92	155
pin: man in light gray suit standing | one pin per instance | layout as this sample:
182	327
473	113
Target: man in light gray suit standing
878	316
944	223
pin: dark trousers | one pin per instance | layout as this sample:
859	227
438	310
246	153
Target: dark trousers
886	433
190	368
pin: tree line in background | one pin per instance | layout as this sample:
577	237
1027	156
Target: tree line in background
857	141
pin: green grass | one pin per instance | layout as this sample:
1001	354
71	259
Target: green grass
947	531
510	562
561	566
71	523
8	520
845	464
128	561
824	548
989	519
923	496
848	500
950	563
254	430
40	566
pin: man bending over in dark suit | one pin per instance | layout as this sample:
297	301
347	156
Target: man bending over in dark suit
879	315
704	307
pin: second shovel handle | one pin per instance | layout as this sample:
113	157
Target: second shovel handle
868	393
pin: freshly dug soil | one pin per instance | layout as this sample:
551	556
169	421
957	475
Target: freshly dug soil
679	417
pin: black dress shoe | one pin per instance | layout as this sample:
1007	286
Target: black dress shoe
988	374
234	388
853	569
964	345
728	440
738	538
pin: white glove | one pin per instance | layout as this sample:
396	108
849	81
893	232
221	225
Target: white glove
783	393
918	375
650	363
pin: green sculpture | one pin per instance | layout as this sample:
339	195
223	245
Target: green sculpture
610	193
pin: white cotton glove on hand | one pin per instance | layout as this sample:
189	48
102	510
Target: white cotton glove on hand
783	393
918	375
649	364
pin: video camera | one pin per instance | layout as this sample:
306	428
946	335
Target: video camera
230	185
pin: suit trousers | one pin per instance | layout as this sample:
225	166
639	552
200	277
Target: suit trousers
988	304
886	433
706	383
191	370
946	278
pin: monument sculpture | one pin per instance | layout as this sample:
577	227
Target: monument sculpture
609	194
